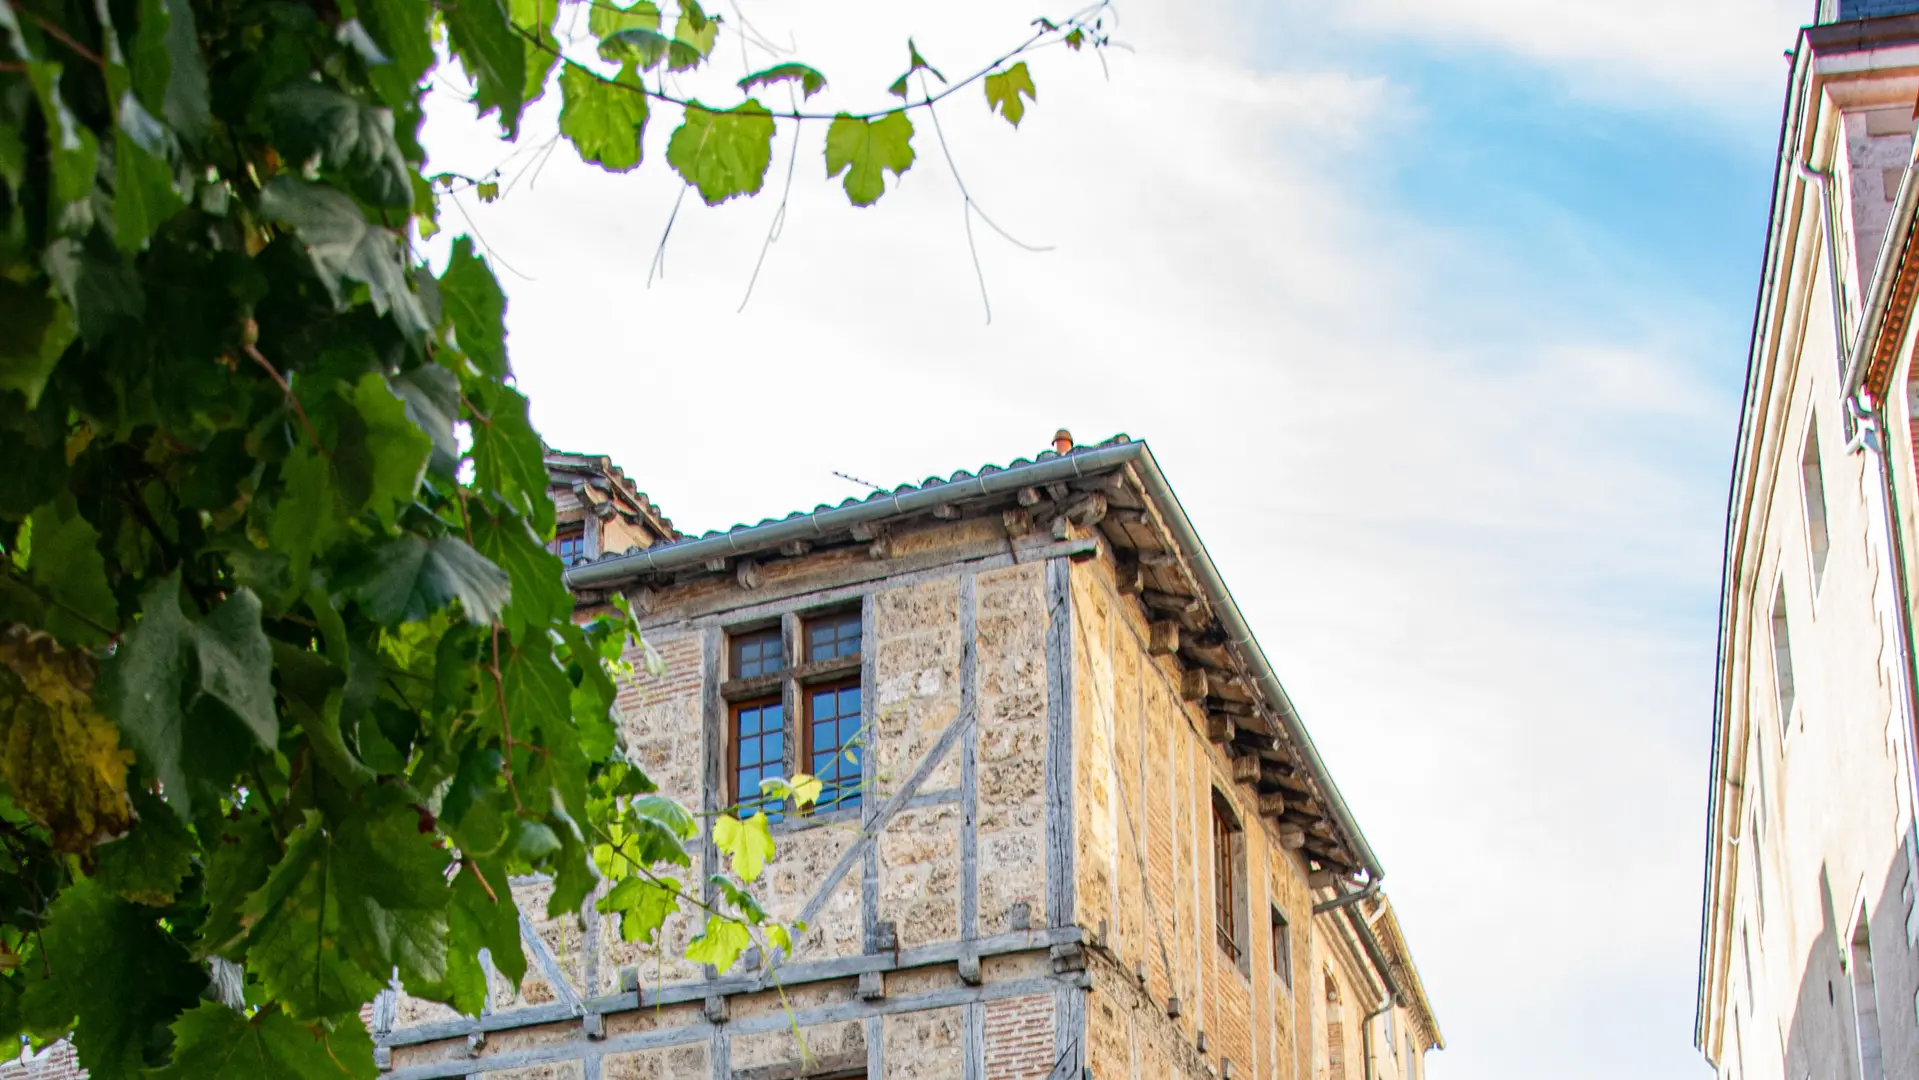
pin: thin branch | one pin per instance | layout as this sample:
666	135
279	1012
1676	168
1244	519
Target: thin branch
65	39
298	409
967	195
1073	23
506	722
966	210
490	249
778	224
659	254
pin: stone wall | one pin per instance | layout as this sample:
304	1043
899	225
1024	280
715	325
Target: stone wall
1145	779
961	622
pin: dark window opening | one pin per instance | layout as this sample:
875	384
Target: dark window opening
833	743
1225	877
569	543
758	653
759	753
1282	949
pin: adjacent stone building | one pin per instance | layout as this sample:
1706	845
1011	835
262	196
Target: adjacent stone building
1809	958
1072	824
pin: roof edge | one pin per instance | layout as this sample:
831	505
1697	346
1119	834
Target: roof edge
746	539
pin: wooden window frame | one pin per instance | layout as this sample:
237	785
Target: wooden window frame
791	687
804	649
568	530
1226	880
733	740
807	748
1282	945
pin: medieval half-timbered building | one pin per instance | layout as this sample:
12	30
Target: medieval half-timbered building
1071	824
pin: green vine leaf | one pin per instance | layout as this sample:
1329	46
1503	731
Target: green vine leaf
120	981
212	1042
1003	90
66	567
640	46
865	149
720	944
483	39
35	330
410	578
723	153
316	123
477	308
811	81
607	18
224	660
747	842
915	62
693	37
148	864
606	120
344	246
643	906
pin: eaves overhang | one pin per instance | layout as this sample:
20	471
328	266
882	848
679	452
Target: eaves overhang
1050	468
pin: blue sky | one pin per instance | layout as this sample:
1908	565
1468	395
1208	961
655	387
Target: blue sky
1435	312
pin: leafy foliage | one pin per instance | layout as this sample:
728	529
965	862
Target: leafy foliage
864	149
290	684
1004	88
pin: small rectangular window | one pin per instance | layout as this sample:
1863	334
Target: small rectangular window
833	742
1813	487
758	653
569	543
1865	1002
1282	950
1225	877
759	753
833	637
1782	657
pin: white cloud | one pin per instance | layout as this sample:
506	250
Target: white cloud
1484	564
1725	53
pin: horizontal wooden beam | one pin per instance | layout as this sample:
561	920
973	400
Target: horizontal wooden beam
774	1020
790	975
1245	769
1165	601
1162	637
1192	684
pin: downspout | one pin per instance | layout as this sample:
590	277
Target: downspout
1870	418
1823	180
1870	415
1347	904
1366	1035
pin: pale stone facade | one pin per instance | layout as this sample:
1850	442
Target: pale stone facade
1809	963
1085	841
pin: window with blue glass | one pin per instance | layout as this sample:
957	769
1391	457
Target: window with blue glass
833	742
570	544
833	637
758	653
759	752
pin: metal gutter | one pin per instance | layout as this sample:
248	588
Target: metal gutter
749	539
1242	638
1790	117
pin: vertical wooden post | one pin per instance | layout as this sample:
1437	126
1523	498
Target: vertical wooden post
969	773
1061	875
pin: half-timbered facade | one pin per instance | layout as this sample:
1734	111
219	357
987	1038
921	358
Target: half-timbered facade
1071	823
